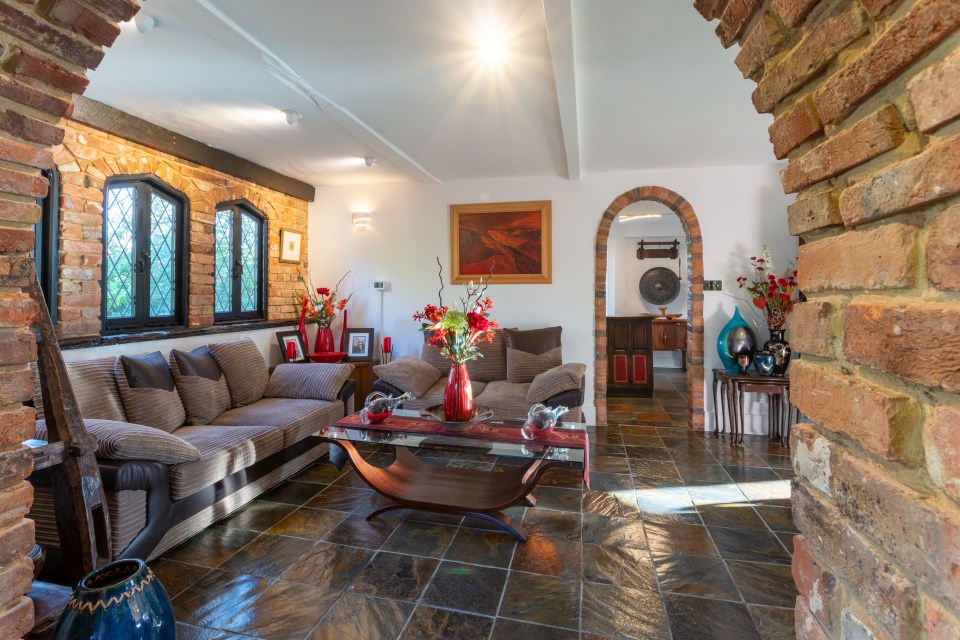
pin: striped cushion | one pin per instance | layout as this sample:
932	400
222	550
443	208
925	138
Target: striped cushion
409	374
492	365
296	418
431	355
94	387
246	372
201	384
148	392
553	381
308	381
506	399
128	516
128	441
223	450
531	352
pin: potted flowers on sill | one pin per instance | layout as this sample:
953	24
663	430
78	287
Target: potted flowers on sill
772	295
457	333
321	306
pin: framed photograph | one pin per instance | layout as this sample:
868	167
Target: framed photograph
512	238
291	342
359	344
290	245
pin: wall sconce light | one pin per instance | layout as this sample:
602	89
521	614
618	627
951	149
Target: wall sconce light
361	221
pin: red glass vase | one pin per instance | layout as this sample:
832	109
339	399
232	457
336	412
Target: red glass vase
324	343
458	395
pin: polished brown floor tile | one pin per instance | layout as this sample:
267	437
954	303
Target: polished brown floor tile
749	544
257	516
610	481
476	546
308	523
284	611
738	515
666	539
621	566
331	566
786	539
619	611
614	504
779	519
322	472
217	597
659	469
268	555
699	618
396	576
336	498
542	599
428	623
696	576
505	629
642	441
557	498
559	477
176	576
211	547
351	480
548	556
290	492
360	617
620	532
466	587
552	524
357	531
764	584
693	473
420	539
773	624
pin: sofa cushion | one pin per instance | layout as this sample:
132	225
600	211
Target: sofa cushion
95	388
128	441
246	372
148	391
307	381
431	355
506	399
296	418
493	363
127	509
566	377
201	384
223	450
408	374
434	395
532	352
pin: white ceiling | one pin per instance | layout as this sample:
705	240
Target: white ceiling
587	86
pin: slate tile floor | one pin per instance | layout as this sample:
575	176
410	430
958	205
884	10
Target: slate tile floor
682	537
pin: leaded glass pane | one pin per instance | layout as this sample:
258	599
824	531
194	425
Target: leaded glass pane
223	261
250	262
119	267
163	255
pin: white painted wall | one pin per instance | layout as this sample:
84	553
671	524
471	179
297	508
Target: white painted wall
739	208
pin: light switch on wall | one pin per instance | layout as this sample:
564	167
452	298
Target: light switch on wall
713	285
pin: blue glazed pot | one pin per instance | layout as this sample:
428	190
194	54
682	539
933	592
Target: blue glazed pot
125	600
763	362
735	338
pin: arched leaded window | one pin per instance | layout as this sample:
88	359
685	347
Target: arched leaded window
240	266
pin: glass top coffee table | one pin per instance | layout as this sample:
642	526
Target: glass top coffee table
410	482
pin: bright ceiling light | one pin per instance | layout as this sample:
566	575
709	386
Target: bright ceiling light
492	45
626	218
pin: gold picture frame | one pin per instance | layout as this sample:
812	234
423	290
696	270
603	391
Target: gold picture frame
291	243
513	237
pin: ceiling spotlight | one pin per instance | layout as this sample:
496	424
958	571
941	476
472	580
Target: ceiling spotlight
145	22
292	116
369	160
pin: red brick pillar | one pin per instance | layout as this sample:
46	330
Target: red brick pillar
47	47
865	96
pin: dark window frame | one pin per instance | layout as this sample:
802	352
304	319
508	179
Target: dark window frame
144	185
46	248
240	207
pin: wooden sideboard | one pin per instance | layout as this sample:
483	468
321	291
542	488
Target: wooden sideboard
630	356
671	335
364	376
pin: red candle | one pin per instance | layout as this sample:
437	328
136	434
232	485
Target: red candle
291	351
386	345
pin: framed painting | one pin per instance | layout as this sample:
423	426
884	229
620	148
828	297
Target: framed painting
290	246
512	238
292	348
359	344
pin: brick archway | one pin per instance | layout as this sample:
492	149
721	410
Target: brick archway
694	354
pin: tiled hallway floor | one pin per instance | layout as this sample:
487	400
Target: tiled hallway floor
681	537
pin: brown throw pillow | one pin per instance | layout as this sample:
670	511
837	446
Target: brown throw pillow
531	352
432	356
566	377
201	384
492	365
148	392
127	441
408	374
94	387
245	369
314	381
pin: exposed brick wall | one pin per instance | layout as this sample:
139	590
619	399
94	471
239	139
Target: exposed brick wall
691	228
87	157
865	96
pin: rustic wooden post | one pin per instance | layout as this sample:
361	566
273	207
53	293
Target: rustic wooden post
81	509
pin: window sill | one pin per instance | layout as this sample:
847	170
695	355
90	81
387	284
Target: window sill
171	333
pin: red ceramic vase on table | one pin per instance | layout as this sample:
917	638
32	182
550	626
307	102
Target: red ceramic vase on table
324	343
458	395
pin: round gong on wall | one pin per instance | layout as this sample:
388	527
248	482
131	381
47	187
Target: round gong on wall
659	285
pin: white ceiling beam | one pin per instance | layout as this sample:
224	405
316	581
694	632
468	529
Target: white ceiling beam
559	21
249	46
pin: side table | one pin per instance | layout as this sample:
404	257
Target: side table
364	376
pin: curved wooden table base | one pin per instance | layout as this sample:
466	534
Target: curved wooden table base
411	483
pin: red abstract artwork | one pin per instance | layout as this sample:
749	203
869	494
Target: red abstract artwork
512	238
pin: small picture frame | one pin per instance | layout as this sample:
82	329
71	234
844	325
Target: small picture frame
290	246
292	341
359	344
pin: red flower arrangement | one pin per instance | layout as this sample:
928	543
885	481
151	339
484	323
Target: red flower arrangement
320	305
772	294
457	332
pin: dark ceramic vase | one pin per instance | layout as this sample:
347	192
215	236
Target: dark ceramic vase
735	338
780	349
763	362
125	600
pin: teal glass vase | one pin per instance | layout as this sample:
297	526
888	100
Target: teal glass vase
735	338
